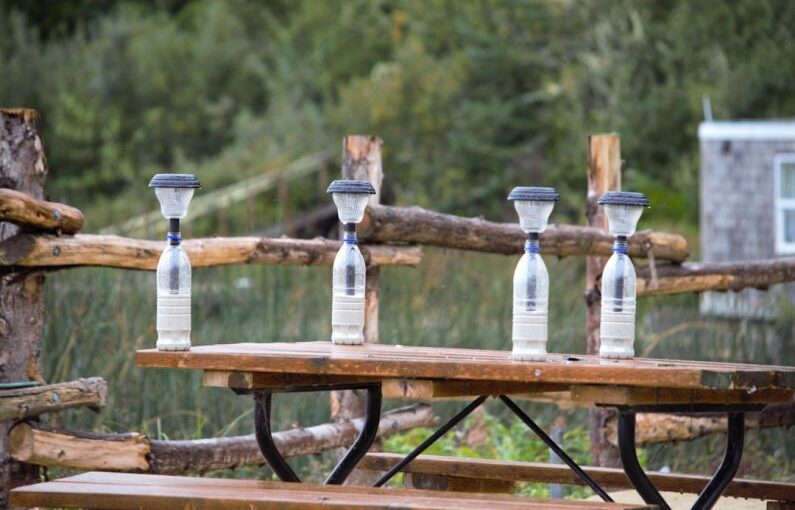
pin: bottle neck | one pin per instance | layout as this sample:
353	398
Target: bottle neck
532	245
620	245
173	236
350	234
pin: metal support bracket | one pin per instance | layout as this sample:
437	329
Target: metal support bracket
264	434
715	487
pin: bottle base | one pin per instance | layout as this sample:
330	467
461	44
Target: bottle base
520	355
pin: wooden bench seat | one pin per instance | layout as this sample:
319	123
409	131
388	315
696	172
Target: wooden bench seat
121	491
452	473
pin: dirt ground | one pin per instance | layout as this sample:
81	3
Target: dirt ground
685	501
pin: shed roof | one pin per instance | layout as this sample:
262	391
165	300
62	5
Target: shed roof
747	130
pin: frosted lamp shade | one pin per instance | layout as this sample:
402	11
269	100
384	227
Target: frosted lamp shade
622	218
350	206
533	214
174	201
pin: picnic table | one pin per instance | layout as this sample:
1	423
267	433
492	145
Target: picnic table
631	386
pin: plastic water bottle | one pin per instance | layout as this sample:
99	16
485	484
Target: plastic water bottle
530	304
531	278
617	325
173	299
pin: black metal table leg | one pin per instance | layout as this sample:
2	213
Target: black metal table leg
728	468
557	449
372	420
629	458
463	413
263	432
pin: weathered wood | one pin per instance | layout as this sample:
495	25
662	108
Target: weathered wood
116	452
484	469
624	396
23	168
22	209
26	250
325	359
604	174
123	491
388	224
135	452
19	404
715	276
451	483
662	428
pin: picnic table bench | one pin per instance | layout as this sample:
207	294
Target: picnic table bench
631	386
119	491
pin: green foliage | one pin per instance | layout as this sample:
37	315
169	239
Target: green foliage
470	97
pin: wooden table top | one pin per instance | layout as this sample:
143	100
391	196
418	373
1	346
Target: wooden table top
331	363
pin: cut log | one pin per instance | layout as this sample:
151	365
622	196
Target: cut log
604	174
134	452
23	209
23	167
415	225
33	444
715	276
25	250
662	428
24	403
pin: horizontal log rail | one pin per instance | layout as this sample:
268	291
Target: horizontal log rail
663	428
21	403
415	225
46	251
714	276
23	209
34	444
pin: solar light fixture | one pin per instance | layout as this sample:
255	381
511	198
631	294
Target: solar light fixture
347	307
531	279
174	192
617	326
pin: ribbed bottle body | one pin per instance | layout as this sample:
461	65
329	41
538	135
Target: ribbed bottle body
173	300
530	308
347	308
617	326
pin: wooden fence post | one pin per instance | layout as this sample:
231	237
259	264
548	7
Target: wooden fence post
361	159
23	167
604	174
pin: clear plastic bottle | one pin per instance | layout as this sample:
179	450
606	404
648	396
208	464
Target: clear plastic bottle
347	309
173	299
530	304
617	327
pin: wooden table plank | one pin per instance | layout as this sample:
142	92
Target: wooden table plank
380	361
122	491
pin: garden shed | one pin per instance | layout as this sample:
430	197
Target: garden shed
747	206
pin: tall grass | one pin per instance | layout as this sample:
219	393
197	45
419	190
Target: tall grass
97	318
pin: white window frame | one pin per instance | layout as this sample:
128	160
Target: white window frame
782	247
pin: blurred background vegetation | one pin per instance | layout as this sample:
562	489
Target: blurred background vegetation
470	98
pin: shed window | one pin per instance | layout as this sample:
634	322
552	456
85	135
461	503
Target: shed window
785	203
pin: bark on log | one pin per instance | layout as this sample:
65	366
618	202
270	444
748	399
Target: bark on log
23	209
415	225
715	276
26	250
662	428
23	168
24	403
134	452
604	174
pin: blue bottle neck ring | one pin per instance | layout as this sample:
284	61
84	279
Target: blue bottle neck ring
532	245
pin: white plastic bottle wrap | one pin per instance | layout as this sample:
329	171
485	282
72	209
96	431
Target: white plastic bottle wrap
173	300
617	325
530	309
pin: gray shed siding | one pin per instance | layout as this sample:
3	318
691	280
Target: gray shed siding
738	217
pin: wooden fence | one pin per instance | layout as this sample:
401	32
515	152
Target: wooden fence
39	236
